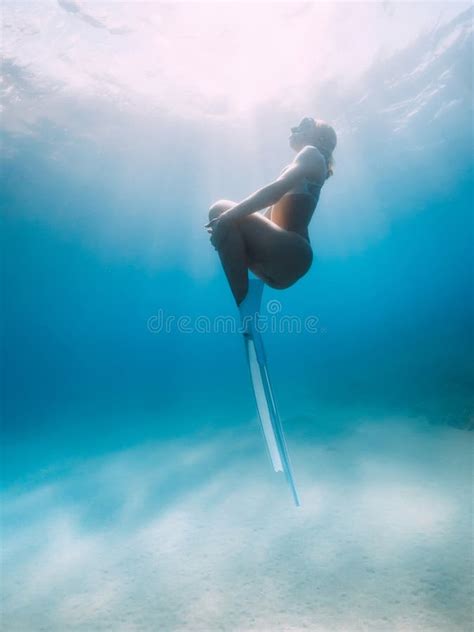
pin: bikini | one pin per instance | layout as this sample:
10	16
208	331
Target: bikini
310	191
307	187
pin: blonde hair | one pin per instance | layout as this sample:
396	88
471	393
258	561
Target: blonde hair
325	139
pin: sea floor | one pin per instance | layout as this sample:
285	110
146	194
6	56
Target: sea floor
200	534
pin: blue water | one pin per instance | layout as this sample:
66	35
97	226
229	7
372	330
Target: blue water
137	494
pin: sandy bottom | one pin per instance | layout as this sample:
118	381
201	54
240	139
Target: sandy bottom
202	535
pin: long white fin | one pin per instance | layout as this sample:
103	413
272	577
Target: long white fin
266	406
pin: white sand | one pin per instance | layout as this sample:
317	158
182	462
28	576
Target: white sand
382	540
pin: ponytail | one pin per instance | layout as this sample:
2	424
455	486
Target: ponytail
326	141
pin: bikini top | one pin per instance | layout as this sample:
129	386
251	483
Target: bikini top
307	186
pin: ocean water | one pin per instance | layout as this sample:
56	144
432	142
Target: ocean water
136	490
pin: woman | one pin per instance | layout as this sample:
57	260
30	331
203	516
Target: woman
275	246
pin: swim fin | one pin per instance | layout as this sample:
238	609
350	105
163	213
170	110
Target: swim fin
269	419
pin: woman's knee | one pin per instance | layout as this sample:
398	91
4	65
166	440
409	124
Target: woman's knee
220	207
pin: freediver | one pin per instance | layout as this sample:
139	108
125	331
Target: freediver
275	246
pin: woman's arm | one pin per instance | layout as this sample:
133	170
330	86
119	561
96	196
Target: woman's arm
261	199
306	165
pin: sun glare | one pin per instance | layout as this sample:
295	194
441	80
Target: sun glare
238	57
198	58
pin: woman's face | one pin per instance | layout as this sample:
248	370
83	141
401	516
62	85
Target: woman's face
302	134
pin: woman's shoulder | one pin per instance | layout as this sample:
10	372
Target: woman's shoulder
314	160
311	152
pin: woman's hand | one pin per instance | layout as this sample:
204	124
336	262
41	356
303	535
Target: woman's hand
219	228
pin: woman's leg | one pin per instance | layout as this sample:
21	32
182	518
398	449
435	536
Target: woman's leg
220	207
233	254
279	257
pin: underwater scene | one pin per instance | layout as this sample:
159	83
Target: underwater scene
164	470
